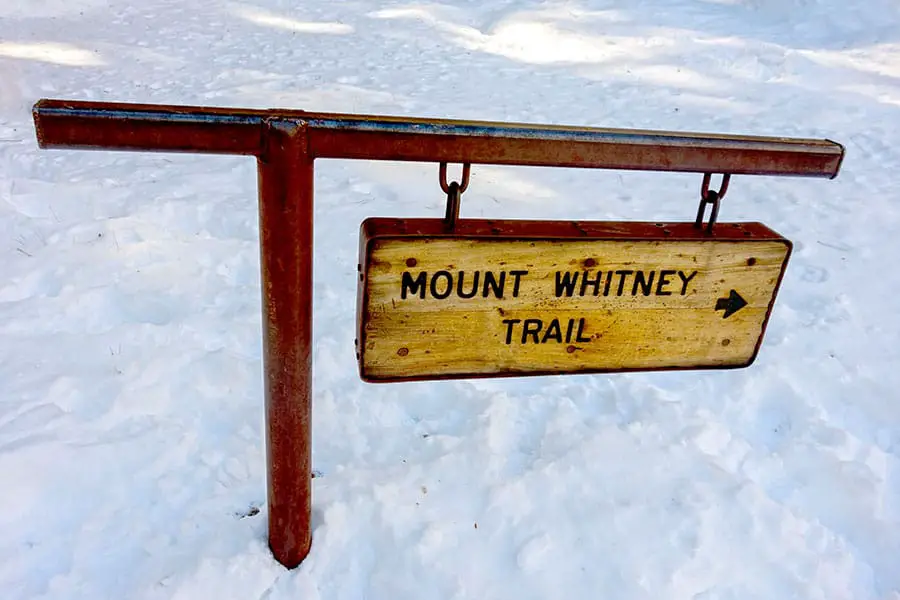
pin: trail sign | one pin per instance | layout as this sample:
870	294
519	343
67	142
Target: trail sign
495	298
286	144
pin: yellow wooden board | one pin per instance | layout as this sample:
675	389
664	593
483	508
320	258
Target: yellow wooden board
476	306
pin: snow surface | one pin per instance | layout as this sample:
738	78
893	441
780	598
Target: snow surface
131	448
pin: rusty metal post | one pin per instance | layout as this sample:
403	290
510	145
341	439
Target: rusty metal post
286	243
286	142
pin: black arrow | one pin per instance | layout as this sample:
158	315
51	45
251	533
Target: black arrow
731	304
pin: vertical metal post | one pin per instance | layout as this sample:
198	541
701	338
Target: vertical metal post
286	239
286	142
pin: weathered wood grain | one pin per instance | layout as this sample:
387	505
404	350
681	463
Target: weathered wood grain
417	326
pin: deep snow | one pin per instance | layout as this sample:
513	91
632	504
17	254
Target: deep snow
131	448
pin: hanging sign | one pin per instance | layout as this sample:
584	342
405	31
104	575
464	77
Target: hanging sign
504	298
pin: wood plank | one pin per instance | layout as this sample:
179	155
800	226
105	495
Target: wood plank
502	299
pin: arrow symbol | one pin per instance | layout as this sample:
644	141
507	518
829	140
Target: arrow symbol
731	304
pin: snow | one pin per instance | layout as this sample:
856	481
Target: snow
132	460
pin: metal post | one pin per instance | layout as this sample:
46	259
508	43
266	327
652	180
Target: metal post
286	244
286	142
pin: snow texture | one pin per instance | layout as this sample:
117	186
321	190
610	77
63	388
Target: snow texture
132	456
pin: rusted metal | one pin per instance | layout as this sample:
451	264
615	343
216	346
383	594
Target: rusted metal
286	143
463	182
723	187
454	195
713	198
112	126
286	243
454	192
62	123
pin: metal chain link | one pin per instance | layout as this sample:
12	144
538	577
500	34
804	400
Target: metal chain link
466	169
708	196
454	192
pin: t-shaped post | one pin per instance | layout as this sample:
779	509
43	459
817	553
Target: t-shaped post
286	143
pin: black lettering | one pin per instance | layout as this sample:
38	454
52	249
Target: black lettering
434	291
566	283
609	275
569	330
644	282
685	281
662	282
585	282
623	275
518	275
531	327
459	285
491	281
553	332
408	285
509	327
580	331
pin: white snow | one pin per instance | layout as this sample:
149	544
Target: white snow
131	447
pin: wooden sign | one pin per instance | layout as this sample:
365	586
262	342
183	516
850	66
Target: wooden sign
503	298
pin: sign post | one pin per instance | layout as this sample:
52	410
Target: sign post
286	260
286	144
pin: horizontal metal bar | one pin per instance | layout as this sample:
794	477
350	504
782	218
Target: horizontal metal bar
240	131
95	125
